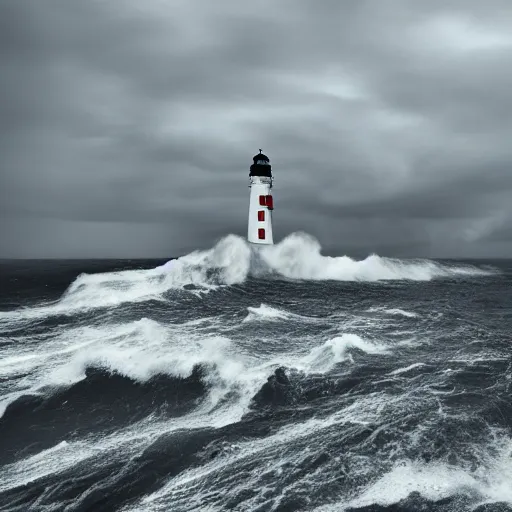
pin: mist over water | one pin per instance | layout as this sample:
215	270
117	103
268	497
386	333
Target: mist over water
256	378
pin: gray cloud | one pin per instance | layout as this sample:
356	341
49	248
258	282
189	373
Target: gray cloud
127	129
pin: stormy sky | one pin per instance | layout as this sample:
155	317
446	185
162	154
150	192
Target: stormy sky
127	127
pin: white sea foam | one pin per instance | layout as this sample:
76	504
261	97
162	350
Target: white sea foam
394	311
132	439
144	348
435	481
299	256
139	350
229	262
265	313
273	453
487	483
323	358
406	369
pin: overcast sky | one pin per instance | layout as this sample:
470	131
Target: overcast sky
127	127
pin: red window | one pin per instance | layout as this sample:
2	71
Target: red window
261	234
267	201
261	215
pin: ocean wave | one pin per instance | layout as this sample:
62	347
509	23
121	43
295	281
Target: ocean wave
231	261
266	313
487	483
323	358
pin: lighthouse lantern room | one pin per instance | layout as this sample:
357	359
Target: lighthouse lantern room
261	204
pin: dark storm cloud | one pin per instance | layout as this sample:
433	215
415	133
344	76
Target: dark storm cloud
127	128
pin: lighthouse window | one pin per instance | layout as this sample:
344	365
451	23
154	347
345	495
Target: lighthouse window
262	162
261	215
261	234
263	201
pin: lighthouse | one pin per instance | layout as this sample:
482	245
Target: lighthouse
261	204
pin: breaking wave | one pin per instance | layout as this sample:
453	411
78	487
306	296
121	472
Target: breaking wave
231	261
140	389
299	256
143	350
266	313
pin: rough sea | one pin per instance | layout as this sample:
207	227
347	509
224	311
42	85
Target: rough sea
256	380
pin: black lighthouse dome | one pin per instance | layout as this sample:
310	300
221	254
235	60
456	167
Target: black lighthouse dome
261	166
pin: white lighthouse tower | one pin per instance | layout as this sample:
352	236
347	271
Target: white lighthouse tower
259	230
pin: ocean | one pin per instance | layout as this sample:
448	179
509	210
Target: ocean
256	380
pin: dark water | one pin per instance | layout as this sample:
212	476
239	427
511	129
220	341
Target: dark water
280	381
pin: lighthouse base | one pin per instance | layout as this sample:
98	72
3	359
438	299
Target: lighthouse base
260	244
